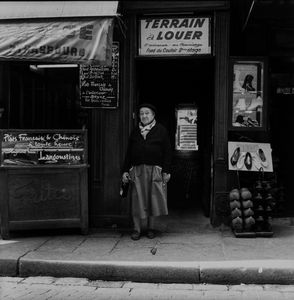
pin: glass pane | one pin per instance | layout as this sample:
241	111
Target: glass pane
247	110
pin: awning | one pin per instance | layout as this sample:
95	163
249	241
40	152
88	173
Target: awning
67	32
56	9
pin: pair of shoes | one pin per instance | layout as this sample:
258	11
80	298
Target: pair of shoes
151	234
135	236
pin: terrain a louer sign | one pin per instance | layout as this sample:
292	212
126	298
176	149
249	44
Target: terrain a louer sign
175	36
84	41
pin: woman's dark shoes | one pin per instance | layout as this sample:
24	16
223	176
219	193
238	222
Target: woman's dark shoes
135	236
248	161
262	157
150	234
235	156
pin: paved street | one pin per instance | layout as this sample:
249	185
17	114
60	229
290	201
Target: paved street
39	288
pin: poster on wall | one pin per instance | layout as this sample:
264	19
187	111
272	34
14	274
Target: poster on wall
99	85
186	132
175	36
252	157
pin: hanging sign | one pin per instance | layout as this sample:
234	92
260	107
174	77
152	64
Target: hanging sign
99	85
84	41
250	156
175	36
186	134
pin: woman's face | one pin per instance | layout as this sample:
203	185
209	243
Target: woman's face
146	115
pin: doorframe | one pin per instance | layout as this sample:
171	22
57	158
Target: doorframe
218	187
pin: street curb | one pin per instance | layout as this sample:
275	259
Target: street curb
155	272
214	272
248	272
8	267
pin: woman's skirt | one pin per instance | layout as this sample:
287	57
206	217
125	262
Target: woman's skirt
148	192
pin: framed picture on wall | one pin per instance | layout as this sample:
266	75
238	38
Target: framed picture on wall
248	105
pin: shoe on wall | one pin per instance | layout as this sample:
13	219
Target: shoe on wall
262	158
235	156
248	161
240	162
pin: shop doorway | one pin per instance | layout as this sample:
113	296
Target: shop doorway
172	84
281	123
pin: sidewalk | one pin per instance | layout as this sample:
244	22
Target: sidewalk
188	250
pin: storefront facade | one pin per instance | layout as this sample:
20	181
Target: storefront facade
153	63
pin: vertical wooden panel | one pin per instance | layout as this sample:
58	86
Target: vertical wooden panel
221	116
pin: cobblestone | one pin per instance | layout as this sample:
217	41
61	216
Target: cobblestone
50	288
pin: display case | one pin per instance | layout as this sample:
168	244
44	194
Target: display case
248	93
43	180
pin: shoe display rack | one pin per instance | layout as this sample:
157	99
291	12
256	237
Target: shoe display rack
252	210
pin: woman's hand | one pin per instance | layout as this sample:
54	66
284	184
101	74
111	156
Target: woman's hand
126	177
165	177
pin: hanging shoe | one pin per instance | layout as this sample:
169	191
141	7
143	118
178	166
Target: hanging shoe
269	198
257	198
236	212
248	212
241	104
260	219
258	186
257	102
259	209
256	162
267	186
247	204
235	156
248	161
237	223
262	158
245	194
240	162
268	209
235	204
249	222
234	194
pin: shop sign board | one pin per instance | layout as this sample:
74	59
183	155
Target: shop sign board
186	134
252	157
175	36
86	41
99	85
38	147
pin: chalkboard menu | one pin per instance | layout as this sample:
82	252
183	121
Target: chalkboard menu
38	147
99	85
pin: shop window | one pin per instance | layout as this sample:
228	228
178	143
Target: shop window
247	94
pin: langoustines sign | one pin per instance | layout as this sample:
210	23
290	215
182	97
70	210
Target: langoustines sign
86	41
175	36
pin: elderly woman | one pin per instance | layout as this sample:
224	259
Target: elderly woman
147	168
